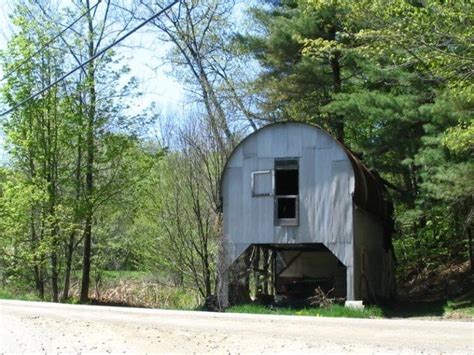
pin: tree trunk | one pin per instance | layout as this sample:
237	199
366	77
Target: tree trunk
37	269
39	282
70	244
54	230
338	123
86	262
67	272
52	191
214	111
54	275
471	256
208	274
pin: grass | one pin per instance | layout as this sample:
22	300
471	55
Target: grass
120	288
332	311
7	294
153	290
143	289
463	307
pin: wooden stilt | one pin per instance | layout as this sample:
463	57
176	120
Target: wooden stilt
265	271
256	267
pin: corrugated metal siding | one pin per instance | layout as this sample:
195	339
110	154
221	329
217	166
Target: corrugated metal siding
325	192
368	239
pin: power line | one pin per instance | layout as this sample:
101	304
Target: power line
6	76
159	13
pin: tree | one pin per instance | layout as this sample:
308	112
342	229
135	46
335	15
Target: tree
305	52
427	45
432	39
72	141
179	211
203	58
405	77
35	132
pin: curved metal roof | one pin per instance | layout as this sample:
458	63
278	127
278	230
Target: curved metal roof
369	192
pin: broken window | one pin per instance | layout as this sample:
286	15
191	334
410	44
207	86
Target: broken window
286	192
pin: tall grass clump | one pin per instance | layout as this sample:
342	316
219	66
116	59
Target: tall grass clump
330	311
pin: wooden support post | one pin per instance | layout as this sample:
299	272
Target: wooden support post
256	267
276	270
273	270
265	271
247	267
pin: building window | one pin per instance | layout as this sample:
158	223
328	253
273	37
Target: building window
286	192
262	183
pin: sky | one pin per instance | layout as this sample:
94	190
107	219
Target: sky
146	63
4	33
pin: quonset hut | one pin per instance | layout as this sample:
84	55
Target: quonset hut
301	212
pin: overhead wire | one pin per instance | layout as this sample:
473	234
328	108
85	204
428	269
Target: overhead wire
47	44
98	54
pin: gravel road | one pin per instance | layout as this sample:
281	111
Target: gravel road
27	327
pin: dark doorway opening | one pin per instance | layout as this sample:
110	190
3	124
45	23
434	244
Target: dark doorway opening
285	274
300	271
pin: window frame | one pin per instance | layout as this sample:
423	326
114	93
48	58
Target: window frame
286	222
253	185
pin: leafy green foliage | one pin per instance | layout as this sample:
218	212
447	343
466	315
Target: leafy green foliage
294	86
8	294
392	80
405	101
74	155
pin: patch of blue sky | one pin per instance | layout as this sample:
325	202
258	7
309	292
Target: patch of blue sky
141	53
145	57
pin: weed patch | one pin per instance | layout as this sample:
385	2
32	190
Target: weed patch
8	294
331	311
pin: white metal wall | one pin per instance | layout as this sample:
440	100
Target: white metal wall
326	184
